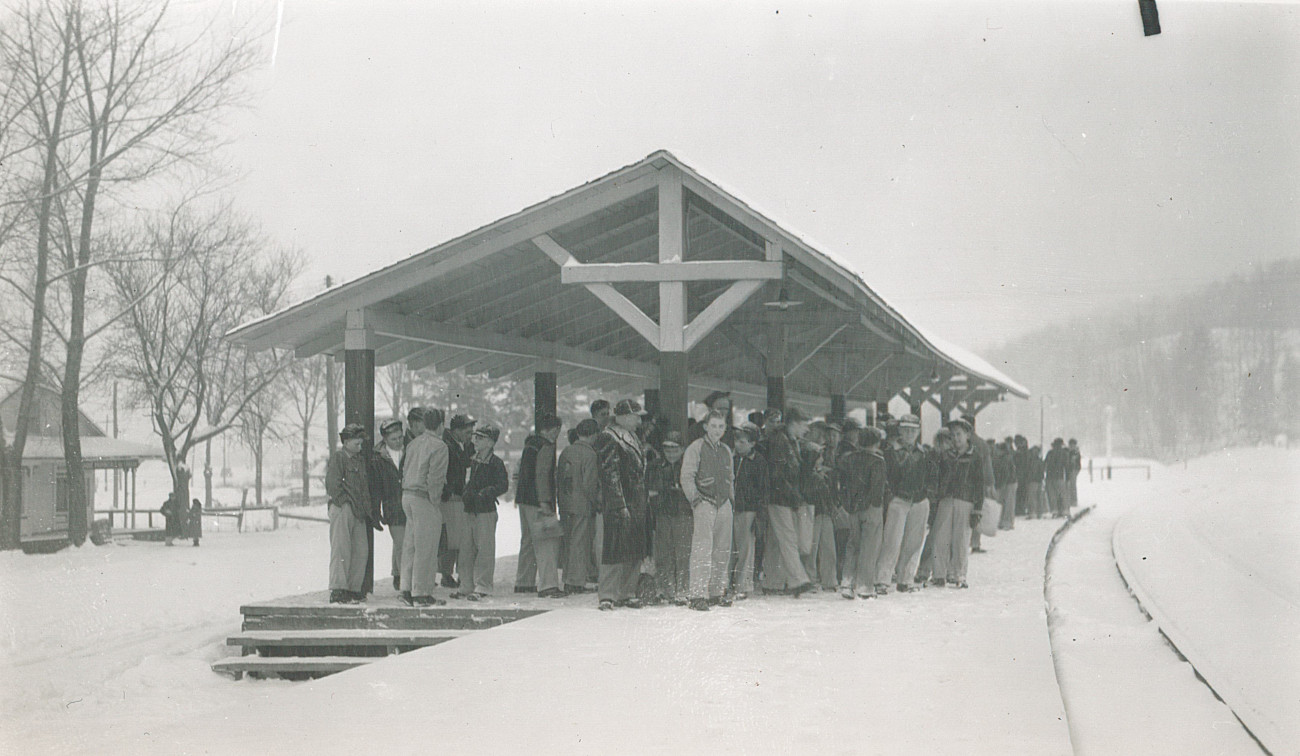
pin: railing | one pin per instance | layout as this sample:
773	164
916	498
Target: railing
1107	471
130	517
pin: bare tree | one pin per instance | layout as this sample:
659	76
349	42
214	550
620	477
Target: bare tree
171	347
260	419
134	98
395	385
305	383
39	73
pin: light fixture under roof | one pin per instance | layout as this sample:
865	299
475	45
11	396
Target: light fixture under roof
783	301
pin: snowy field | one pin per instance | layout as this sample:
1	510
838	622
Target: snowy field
1214	560
107	650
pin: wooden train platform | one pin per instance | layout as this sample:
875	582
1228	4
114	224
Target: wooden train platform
305	636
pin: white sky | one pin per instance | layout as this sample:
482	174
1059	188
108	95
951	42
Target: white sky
986	166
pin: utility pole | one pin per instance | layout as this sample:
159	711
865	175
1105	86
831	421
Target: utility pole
116	473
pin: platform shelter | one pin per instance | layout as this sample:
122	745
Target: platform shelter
649	281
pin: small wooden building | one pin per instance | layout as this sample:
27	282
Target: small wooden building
45	494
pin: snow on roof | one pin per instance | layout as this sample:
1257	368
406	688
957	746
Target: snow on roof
962	358
92	448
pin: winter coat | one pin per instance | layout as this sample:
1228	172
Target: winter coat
424	466
706	472
1056	462
386	488
347	484
912	473
458	460
664	488
983	455
814	479
1025	465
963	477
753	486
487	481
175	517
1004	469
577	478
536	487
623	487
784	466
864	481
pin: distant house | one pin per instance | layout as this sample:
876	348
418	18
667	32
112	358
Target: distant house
45	487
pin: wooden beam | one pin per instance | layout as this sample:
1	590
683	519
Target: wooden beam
808	284
815	350
869	373
719	309
627	310
288	326
697	270
613	299
329	342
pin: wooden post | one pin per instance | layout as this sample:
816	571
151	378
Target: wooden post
653	405
837	407
673	374
359	403
672	389
545	396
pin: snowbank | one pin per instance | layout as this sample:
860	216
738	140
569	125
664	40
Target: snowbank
96	637
1213	559
941	671
1125	689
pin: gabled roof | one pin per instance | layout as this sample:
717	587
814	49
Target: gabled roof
491	301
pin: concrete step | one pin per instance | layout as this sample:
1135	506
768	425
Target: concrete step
339	642
291	667
393	616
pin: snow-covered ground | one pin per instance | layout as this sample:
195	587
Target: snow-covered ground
1232	515
96	637
942	671
107	649
1214	560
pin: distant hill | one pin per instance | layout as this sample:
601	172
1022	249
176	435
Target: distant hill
1183	374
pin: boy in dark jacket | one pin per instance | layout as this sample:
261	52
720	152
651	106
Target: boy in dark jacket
753	492
863	490
674	523
386	490
535	495
961	497
487	481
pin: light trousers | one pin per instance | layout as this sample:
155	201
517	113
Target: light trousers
453	522
952	539
420	548
478	552
742	553
348	549
865	533
781	562
579	533
710	549
904	531
804	520
398	532
823	551
1007	497
543	570
672	547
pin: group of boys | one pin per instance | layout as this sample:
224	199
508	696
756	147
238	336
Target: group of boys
642	515
436	489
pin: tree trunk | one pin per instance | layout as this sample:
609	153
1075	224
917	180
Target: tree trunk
78	501
207	474
306	473
257	465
